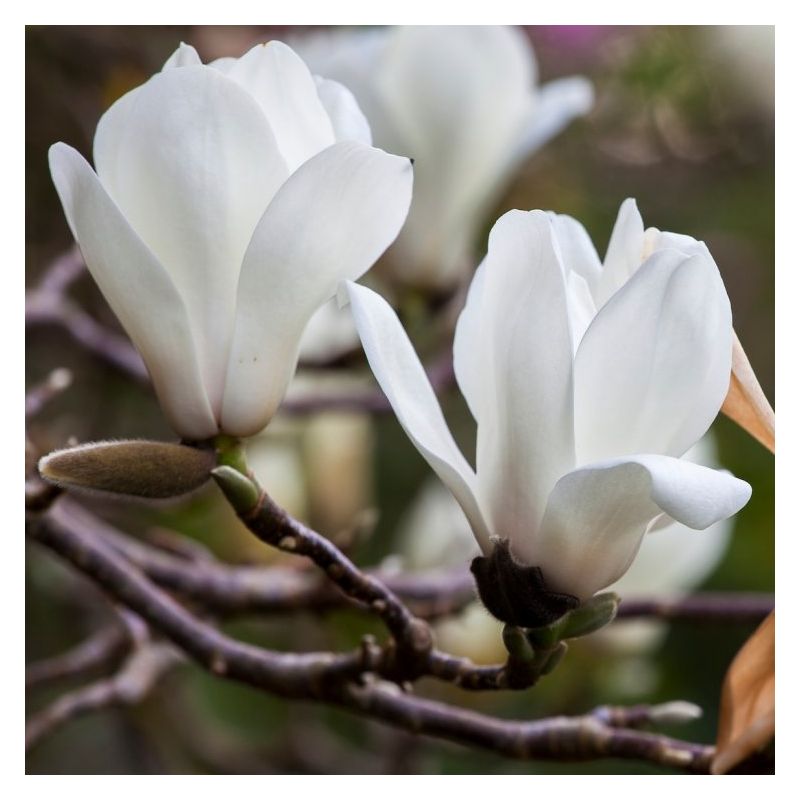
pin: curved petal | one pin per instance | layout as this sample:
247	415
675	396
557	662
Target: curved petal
184	56
554	106
468	359
653	368
673	559
223	64
353	57
283	86
457	97
191	162
625	253
329	222
139	291
404	382
345	115
523	357
597	515
329	333
578	252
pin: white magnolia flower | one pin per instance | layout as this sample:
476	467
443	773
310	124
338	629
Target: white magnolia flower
672	561
588	383
464	103
229	201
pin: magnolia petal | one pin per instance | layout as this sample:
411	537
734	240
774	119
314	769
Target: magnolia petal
625	253
329	222
345	115
330	333
353	58
191	162
673	559
553	107
457	97
139	291
577	251
524	410
223	64
654	366
468	343
746	404
184	56
401	376
597	515
284	88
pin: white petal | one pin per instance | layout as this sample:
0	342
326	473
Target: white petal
625	253
555	105
582	271
282	84
330	333
139	291
184	56
654	366
345	115
672	558
192	163
578	252
404	382
353	57
224	64
523	354
457	97
330	221
468	343
596	516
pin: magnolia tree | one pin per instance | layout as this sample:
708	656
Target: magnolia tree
231	210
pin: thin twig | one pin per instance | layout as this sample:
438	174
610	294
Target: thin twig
580	738
46	308
40	395
705	606
62	272
412	636
97	651
135	679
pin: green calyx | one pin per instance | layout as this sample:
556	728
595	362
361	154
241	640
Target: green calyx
594	614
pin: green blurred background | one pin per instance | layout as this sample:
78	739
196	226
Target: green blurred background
684	122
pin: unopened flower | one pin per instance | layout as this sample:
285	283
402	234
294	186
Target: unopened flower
464	103
228	201
588	383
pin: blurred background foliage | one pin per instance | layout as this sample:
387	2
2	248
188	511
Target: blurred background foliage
684	122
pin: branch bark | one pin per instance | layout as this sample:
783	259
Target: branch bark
344	680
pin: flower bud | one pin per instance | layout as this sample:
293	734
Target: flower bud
137	468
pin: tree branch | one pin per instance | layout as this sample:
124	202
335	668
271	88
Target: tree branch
343	679
99	650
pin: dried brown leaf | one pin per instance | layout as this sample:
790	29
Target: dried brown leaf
746	404
747	708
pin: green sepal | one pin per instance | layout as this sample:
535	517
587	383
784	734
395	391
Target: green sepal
241	492
517	643
134	467
554	659
547	636
594	614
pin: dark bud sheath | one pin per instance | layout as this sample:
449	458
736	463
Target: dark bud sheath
515	593
133	468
